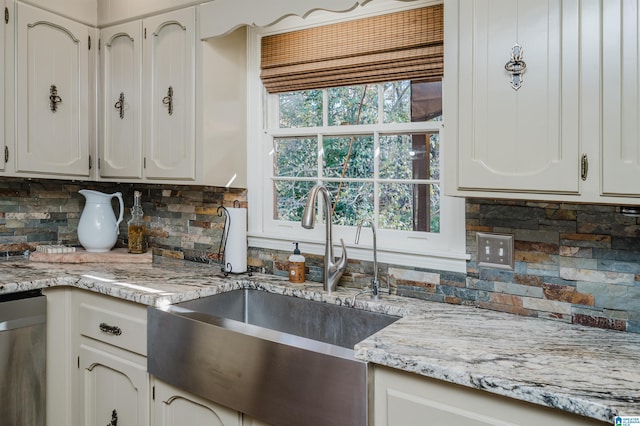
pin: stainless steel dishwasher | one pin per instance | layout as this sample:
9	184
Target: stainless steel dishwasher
22	359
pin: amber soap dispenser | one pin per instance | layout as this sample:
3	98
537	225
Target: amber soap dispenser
296	266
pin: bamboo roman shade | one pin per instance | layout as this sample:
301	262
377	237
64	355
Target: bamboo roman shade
397	46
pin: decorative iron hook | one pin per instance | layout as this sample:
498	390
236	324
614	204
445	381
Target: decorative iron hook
516	66
168	100
54	99
120	105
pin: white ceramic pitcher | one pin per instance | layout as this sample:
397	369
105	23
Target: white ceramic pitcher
98	228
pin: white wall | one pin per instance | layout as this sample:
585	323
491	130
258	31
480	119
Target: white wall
115	11
85	11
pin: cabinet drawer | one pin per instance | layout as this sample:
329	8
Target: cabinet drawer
118	323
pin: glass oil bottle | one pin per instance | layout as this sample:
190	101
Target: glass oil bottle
138	238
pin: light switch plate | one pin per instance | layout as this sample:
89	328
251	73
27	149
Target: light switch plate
494	250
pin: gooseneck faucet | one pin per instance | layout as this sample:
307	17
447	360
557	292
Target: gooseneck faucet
375	284
332	270
374	281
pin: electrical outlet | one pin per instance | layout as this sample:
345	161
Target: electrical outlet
495	250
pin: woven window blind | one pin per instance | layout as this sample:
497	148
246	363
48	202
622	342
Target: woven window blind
405	45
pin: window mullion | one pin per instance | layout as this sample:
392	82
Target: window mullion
380	103
376	178
325	108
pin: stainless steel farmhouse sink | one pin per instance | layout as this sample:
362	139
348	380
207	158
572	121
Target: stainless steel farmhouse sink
281	359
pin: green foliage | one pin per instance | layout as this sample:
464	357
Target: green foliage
360	157
301	109
351	159
353	105
397	102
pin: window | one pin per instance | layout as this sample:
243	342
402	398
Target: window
386	170
376	146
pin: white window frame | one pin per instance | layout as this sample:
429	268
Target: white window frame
439	251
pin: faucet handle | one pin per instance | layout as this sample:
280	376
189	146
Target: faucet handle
342	263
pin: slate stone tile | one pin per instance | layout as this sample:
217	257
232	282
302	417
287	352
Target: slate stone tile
585	252
518	289
578	263
562	214
618	266
537	236
507	308
586	240
625	243
600	322
478	284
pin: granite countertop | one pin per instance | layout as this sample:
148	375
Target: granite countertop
582	370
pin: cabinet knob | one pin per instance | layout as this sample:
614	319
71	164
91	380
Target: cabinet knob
54	99
168	100
114	418
516	66
120	105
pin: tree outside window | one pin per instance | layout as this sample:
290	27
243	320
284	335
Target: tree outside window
364	143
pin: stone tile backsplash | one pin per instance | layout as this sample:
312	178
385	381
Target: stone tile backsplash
183	220
574	263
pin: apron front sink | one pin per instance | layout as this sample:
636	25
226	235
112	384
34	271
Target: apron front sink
281	359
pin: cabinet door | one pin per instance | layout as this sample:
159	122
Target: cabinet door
174	407
121	135
115	389
169	69
3	99
405	399
52	94
524	138
621	104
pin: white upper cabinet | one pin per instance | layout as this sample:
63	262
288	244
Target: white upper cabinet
621	101
512	95
4	149
52	94
169	95
121	129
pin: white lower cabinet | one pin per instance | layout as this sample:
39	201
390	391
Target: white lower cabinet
115	388
112	363
97	369
405	399
175	407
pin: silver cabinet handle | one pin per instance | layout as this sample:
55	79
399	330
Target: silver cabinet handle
110	329
584	167
168	100
54	99
120	105
516	66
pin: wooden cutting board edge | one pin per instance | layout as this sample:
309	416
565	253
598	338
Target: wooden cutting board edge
118	255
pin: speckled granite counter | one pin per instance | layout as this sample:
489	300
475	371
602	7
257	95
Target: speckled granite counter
591	372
